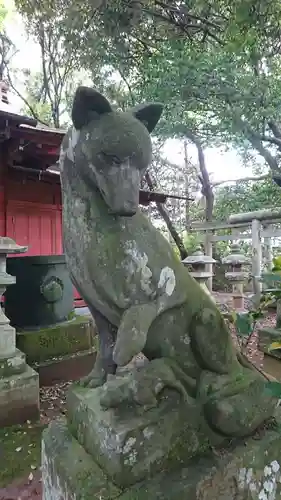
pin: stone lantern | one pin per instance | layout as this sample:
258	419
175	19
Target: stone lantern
236	274
19	384
197	264
7	340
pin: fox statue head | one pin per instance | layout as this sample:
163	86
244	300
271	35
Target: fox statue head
110	149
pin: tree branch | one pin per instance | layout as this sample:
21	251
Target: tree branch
32	111
244	179
127	85
272	140
274	129
185	22
204	177
164	214
183	12
256	140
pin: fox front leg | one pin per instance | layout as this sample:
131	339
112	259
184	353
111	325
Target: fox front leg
136	321
132	332
104	363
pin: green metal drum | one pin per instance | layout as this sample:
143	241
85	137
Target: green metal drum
43	293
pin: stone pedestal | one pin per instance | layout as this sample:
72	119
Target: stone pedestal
19	384
161	452
247	470
131	446
62	352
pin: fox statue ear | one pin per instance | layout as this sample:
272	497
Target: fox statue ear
149	114
88	104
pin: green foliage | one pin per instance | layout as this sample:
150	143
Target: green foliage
245	323
245	197
227	93
3	15
275	346
274	389
191	242
48	91
276	263
273	280
130	27
37	99
206	87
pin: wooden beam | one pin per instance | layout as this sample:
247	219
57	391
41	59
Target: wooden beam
267	214
271	233
15	118
213	226
38	136
231	237
147	197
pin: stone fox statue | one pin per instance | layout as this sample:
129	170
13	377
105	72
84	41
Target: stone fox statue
141	296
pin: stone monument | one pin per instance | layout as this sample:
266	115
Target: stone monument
149	431
19	384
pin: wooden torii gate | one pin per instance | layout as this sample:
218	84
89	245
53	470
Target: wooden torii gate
257	226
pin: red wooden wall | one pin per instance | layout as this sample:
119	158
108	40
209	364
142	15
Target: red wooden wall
32	210
36	225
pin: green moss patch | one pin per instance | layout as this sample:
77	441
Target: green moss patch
59	340
20	452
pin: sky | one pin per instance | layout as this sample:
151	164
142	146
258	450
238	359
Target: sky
221	165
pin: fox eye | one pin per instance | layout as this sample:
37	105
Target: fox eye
110	158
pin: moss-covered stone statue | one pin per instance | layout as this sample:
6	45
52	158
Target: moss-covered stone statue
141	296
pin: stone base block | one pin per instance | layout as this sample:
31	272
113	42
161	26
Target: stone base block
266	337
68	471
130	448
13	364
19	398
69	337
7	339
70	367
249	470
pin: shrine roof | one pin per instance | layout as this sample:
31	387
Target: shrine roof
40	145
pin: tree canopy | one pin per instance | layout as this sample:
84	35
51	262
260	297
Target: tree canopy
214	63
131	25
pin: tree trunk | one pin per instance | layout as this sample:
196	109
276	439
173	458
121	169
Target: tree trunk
204	178
207	192
257	142
187	201
164	214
